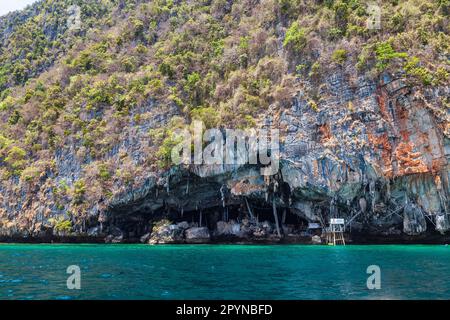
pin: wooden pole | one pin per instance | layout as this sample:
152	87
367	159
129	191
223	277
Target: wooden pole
275	215
249	209
334	236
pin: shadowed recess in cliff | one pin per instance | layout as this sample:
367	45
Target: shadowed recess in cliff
208	202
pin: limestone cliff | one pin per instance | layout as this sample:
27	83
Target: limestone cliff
86	116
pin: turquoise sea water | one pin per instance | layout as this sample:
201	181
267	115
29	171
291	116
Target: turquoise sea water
224	272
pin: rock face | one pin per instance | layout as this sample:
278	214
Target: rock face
442	222
115	236
383	164
413	221
145	238
316	240
166	233
197	235
246	229
94	232
228	229
372	150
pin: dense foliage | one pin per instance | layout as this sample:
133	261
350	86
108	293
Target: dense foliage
221	61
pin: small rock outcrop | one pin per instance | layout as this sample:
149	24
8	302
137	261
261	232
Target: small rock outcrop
166	233
197	235
115	235
413	220
316	240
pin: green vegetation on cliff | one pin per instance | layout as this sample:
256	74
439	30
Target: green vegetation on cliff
225	62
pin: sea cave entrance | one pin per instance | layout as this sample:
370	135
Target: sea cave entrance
133	224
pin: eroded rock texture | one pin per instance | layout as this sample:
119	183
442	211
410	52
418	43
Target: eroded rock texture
384	145
374	153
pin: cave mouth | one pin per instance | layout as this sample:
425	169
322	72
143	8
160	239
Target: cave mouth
134	225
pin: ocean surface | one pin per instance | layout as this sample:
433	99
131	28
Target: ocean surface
224	271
